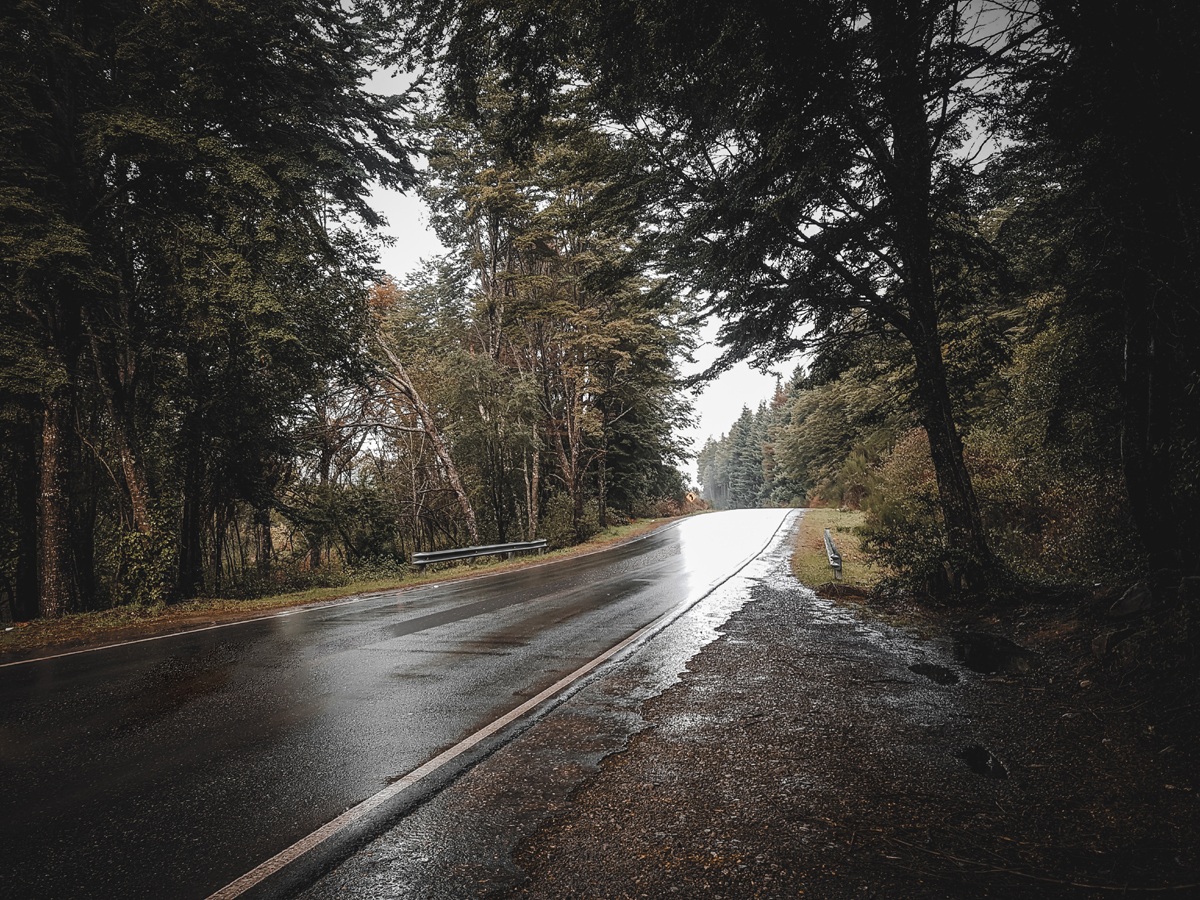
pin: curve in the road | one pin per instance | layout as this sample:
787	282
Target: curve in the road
169	767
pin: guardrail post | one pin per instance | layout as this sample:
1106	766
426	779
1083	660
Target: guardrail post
835	558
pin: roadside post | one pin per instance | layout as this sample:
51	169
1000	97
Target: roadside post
835	558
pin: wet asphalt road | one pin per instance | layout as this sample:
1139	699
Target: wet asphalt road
170	768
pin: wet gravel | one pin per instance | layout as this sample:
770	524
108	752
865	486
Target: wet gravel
801	755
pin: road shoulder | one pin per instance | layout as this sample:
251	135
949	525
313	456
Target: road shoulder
802	755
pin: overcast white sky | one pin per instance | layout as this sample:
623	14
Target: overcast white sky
717	406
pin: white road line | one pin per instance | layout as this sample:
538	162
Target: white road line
356	813
321	605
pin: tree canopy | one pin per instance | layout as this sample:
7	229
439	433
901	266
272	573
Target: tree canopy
800	166
183	189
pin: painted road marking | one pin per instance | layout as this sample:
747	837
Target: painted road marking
366	807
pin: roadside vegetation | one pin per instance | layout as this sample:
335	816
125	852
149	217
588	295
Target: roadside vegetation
975	225
208	387
810	563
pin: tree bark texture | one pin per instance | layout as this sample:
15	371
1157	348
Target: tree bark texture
134	472
532	486
266	546
602	486
57	587
965	536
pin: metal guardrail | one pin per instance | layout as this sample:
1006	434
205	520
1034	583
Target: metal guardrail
421	560
835	558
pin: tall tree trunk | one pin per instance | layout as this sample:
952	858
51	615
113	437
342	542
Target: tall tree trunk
57	586
495	454
134	471
190	578
568	477
191	548
398	378
116	372
324	467
909	179
266	548
1146	431
577	507
602	487
532	486
217	549
965	537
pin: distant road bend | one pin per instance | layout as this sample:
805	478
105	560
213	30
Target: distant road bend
173	767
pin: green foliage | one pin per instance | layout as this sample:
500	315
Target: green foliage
732	468
182	203
904	533
836	432
186	260
146	567
559	526
565	345
1045	521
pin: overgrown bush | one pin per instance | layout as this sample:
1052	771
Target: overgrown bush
1042	520
143	566
904	532
661	508
558	526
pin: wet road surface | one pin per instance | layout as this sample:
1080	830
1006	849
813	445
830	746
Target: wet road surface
461	843
170	768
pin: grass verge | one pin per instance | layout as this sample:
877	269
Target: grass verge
810	564
111	626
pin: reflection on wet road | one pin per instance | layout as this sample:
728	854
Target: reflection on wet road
169	768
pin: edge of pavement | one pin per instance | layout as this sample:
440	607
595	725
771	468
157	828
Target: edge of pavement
811	749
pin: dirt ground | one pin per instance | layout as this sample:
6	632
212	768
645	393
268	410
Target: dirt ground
897	772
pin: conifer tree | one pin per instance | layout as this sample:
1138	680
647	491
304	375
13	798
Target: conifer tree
175	184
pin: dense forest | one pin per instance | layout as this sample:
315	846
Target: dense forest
1066	324
976	223
208	385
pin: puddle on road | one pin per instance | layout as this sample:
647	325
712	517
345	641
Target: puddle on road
982	761
936	674
990	654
